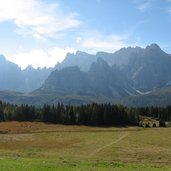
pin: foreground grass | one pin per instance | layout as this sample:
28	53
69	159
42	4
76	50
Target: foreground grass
43	147
27	164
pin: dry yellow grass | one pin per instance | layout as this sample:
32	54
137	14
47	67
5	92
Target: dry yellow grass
35	127
82	143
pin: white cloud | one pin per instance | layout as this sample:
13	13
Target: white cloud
168	8
143	5
37	17
49	57
102	42
40	57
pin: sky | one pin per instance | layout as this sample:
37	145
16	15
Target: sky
41	32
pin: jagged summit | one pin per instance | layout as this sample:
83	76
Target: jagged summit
2	58
12	77
153	46
81	59
105	76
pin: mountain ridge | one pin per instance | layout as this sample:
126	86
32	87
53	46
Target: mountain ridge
12	77
128	73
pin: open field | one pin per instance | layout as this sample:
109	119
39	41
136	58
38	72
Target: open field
44	147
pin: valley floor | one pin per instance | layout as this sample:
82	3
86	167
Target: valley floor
47	147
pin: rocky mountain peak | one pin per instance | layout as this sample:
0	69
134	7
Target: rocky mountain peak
2	58
154	47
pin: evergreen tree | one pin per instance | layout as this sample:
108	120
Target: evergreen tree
71	114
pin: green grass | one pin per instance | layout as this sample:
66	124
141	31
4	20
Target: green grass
68	148
28	164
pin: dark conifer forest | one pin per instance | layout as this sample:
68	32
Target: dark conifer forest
90	114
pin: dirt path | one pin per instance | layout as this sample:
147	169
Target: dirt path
109	144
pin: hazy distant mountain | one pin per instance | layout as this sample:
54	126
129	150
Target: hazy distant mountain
121	57
34	78
81	59
109	81
127	72
15	79
84	60
11	77
131	74
101	81
150	69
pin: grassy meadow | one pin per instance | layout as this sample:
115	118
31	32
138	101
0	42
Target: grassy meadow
46	147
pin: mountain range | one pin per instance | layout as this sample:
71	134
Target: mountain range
14	79
133	76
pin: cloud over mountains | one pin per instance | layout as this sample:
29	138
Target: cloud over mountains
36	17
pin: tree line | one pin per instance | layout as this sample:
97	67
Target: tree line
89	114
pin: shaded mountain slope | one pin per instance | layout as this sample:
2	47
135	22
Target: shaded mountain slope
160	97
137	75
100	82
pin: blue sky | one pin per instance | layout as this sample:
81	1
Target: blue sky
41	32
